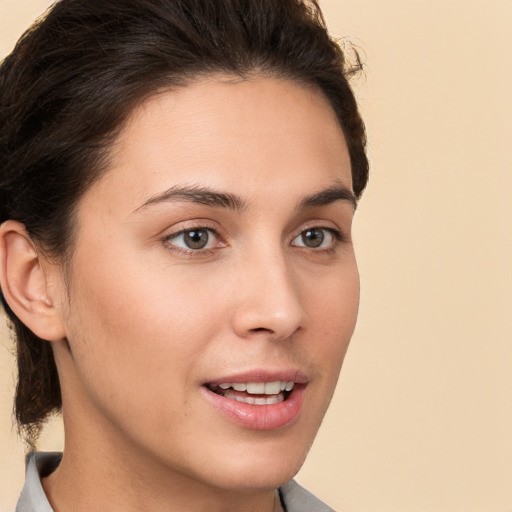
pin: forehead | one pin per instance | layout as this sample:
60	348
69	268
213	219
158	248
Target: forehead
250	134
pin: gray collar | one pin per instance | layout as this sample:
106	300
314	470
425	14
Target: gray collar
33	499
298	499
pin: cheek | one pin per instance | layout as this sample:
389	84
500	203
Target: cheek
135	335
333	312
333	302
132	300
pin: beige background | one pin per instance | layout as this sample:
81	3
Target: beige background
422	419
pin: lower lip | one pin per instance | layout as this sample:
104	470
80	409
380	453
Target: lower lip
260	417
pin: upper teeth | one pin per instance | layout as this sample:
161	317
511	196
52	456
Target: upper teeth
259	388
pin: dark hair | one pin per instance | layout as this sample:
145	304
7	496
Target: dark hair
75	76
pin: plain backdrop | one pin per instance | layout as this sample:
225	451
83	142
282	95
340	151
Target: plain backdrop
422	418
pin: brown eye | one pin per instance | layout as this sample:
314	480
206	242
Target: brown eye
317	238
193	239
196	239
313	237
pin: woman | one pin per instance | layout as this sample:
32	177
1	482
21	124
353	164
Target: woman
178	181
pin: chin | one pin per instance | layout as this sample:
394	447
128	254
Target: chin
256	478
260	468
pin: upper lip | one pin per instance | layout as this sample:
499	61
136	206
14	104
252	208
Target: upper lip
262	375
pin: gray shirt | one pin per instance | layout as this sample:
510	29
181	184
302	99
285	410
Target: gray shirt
294	498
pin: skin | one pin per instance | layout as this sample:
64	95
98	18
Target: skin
146	321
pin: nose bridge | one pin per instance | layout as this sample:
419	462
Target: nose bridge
269	299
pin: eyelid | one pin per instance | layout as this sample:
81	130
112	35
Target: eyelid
326	224
334	232
187	226
192	226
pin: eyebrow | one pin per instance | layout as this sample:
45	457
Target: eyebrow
200	195
217	199
328	196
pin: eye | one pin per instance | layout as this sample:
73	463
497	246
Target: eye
317	238
193	239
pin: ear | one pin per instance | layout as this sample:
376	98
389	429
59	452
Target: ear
24	283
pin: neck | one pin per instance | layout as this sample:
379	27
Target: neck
89	479
102	469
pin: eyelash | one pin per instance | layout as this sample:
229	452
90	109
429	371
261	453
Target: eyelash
337	235
189	251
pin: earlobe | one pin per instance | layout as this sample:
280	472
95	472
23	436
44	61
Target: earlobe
25	284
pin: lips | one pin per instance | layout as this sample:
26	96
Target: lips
257	401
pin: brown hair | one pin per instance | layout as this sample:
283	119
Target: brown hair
75	76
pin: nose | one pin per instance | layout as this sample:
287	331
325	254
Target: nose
268	300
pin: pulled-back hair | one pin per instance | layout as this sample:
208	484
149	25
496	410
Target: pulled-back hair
75	76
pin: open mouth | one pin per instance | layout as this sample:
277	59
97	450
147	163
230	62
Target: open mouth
260	403
254	393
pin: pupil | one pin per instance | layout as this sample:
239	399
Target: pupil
313	237
196	239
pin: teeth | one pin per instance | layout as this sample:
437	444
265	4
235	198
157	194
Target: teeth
273	399
272	388
256	388
248	400
259	388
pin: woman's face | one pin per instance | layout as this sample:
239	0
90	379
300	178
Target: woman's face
213	289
